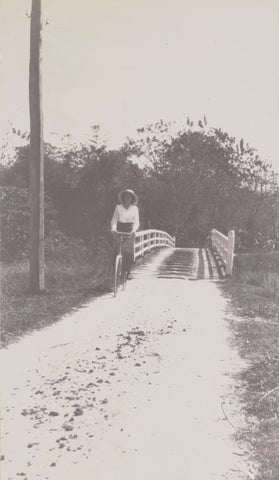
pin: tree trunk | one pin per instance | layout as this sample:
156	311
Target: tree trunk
37	267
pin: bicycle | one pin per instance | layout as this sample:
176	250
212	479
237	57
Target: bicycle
120	273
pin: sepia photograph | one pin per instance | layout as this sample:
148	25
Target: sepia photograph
139	187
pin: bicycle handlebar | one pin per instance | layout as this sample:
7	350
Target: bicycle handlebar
123	233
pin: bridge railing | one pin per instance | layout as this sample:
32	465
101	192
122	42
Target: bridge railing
224	247
147	240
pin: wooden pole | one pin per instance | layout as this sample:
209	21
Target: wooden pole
36	167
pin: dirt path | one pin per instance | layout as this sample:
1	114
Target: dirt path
129	388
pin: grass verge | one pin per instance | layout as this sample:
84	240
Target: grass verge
77	277
68	286
254	294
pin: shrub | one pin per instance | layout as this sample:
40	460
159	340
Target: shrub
15	220
15	212
259	269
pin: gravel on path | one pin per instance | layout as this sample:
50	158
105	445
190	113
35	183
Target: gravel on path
140	386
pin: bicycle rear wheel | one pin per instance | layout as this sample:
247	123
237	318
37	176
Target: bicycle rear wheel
117	273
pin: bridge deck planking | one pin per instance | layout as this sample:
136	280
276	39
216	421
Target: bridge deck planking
180	263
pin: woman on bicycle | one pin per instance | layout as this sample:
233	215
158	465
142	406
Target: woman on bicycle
126	220
126	214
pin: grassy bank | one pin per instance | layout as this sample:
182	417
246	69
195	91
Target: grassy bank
69	284
254	294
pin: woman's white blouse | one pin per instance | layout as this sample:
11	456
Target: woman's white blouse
125	215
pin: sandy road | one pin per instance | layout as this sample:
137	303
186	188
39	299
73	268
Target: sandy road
126	388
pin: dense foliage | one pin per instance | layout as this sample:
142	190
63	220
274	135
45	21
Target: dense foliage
188	182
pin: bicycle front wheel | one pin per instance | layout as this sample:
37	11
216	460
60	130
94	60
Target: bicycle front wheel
117	273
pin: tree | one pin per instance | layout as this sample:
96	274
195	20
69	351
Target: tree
188	182
201	179
37	262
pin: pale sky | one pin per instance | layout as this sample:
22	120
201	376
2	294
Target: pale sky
126	63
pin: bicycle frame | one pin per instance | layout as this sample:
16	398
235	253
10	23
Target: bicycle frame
118	273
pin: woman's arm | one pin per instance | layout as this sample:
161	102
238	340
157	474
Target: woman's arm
114	220
136	220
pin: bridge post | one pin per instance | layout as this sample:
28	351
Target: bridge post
148	237
230	252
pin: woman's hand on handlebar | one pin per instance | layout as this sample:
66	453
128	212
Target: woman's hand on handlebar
126	234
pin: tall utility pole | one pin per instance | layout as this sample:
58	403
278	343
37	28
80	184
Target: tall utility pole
37	261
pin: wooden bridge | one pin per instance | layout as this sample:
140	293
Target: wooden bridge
215	261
